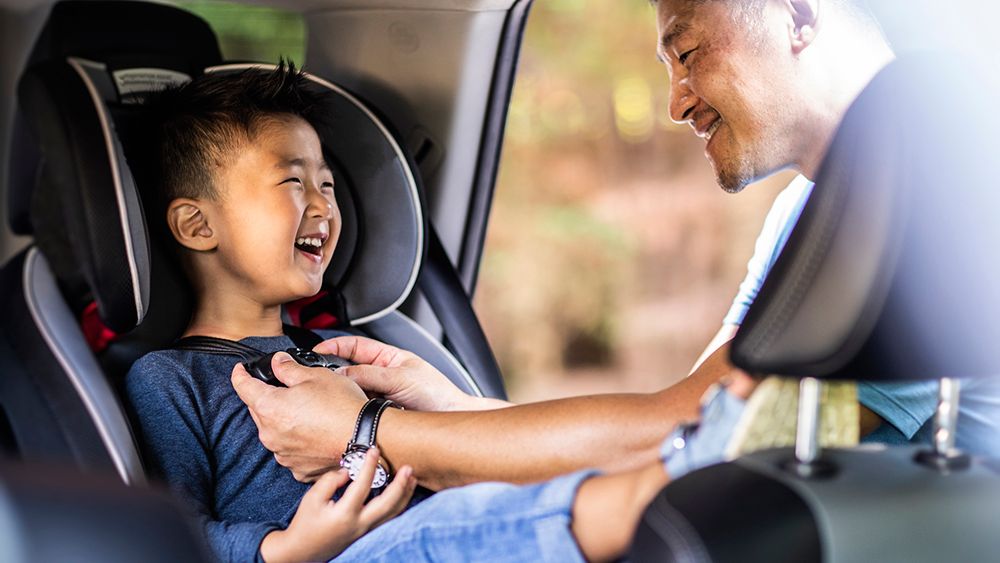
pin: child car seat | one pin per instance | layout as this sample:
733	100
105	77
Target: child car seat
93	257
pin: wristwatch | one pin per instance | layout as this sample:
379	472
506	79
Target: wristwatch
364	439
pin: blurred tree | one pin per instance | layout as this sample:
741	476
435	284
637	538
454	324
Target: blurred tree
253	33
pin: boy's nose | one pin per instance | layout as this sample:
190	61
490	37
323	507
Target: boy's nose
320	205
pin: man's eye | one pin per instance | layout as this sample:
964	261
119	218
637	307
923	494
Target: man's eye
683	58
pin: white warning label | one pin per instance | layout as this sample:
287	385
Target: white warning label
133	81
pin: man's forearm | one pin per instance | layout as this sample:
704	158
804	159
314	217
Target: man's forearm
541	440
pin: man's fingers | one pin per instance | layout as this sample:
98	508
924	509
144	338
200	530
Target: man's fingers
357	492
392	501
360	350
249	389
378	380
289	372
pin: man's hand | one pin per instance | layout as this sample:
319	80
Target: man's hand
306	425
400	376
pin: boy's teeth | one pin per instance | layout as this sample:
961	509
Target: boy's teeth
309	241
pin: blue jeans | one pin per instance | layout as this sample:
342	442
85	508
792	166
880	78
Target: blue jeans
482	522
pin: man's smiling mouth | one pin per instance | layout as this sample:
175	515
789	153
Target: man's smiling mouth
712	129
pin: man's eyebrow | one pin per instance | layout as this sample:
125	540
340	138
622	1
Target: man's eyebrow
671	35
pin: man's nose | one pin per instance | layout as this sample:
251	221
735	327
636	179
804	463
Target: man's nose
682	102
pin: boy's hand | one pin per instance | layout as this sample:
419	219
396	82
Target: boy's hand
322	528
398	375
308	423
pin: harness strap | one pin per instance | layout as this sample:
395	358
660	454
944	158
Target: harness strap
302	337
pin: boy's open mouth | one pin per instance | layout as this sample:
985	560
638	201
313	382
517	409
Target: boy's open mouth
311	244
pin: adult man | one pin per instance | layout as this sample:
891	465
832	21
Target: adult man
765	83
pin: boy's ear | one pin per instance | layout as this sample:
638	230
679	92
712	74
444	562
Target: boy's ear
189	224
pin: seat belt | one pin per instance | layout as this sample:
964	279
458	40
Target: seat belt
441	286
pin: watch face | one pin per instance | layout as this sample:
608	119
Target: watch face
354	460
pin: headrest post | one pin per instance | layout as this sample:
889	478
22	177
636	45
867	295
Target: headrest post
945	456
807	427
946	416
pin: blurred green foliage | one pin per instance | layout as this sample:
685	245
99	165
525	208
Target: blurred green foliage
253	33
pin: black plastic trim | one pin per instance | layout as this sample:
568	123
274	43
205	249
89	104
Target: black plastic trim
491	144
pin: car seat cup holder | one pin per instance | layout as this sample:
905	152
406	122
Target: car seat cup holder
944	456
808	462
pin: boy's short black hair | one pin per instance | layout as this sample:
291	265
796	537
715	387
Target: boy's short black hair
200	125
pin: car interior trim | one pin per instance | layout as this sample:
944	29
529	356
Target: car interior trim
491	144
133	271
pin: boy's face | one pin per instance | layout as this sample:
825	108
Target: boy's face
275	220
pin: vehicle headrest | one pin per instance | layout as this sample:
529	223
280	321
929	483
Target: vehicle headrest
129	38
890	273
89	219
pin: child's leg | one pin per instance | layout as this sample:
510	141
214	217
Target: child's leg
483	522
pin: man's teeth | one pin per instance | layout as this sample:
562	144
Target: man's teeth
309	241
711	129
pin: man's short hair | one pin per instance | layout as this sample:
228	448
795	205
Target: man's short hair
749	9
200	126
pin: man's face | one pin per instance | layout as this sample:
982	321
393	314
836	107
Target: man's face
729	81
276	219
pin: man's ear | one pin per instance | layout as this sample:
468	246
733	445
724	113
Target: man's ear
805	22
189	224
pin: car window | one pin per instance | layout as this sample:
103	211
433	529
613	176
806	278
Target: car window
254	33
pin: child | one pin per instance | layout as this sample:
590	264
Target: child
249	203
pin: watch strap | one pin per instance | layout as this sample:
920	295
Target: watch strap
367	424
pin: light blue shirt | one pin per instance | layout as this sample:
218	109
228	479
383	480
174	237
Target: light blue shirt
907	407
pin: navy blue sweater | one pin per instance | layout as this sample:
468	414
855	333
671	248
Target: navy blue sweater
197	436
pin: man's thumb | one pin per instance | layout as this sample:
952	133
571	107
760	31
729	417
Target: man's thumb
287	370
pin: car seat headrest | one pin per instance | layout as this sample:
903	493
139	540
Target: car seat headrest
140	42
381	245
889	273
124	33
85	209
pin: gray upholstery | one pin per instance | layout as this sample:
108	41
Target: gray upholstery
403	332
62	338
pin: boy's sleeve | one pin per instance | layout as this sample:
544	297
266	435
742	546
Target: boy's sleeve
165	407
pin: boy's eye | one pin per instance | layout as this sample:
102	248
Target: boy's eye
291	180
326	186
